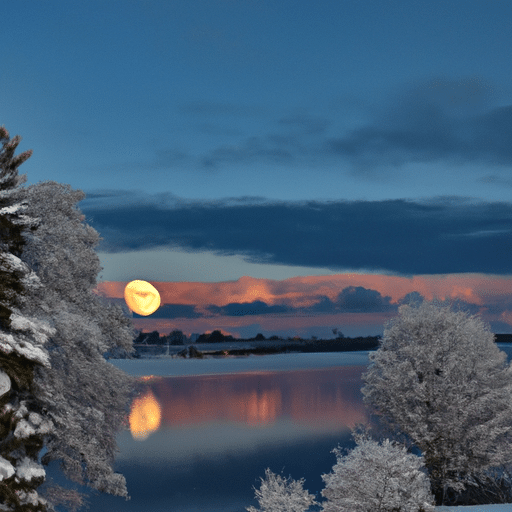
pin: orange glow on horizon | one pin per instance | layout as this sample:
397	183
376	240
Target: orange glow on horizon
305	291
145	416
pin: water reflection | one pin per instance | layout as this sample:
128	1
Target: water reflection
325	399
216	434
145	415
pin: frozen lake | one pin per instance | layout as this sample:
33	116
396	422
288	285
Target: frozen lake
168	367
222	421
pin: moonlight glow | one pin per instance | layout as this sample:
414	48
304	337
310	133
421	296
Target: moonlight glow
142	297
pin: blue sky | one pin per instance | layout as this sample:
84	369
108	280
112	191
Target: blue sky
283	100
221	138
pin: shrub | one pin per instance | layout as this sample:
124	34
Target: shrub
278	494
376	477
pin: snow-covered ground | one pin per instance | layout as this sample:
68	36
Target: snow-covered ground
479	508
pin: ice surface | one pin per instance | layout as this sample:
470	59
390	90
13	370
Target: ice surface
166	366
175	367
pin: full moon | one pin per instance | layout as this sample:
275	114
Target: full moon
142	297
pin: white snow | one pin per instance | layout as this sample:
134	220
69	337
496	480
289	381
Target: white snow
507	507
6	469
13	209
39	328
23	345
34	425
29	469
5	383
14	262
30	498
24	429
35	418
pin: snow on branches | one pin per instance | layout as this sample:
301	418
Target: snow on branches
439	378
278	494
378	478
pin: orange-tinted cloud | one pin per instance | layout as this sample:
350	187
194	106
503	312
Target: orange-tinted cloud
484	291
304	291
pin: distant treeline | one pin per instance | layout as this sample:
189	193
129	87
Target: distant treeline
290	344
177	337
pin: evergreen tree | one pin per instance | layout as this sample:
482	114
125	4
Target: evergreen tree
439	377
23	424
57	392
84	395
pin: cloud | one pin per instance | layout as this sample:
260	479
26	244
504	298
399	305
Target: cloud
174	311
354	299
360	303
253	149
438	236
285	140
439	119
429	121
246	308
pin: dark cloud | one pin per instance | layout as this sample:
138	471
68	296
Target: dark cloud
451	120
174	311
296	139
354	299
246	308
357	298
413	298
436	120
254	149
443	235
426	122
496	180
440	119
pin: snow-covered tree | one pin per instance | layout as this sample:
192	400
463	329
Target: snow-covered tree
85	397
377	477
57	392
278	494
439	377
23	424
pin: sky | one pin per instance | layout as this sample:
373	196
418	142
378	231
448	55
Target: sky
284	167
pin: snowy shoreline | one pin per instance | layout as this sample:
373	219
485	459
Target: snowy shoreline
506	507
178	367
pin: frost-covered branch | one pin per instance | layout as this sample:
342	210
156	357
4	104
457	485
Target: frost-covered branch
279	494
